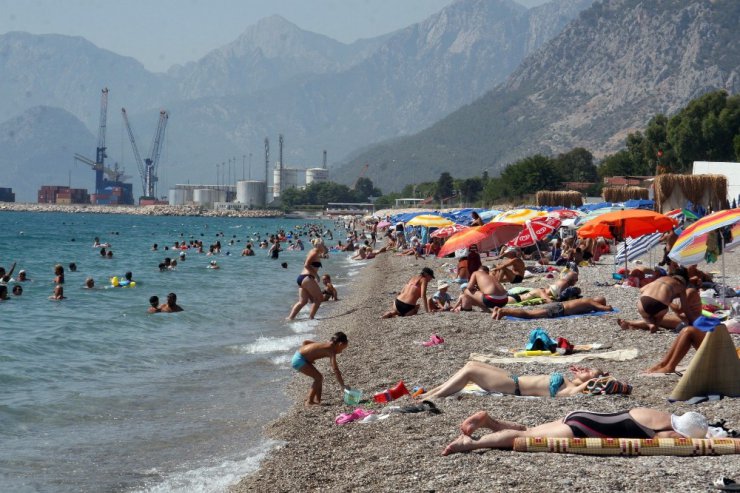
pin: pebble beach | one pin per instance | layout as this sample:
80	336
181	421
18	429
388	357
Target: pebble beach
402	453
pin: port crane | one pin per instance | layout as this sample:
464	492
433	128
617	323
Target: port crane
99	164
148	167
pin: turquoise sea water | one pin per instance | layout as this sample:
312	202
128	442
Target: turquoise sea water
98	395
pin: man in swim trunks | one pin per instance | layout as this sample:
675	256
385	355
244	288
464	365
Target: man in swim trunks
552	292
405	304
554	310
512	269
171	305
657	297
483	290
640	422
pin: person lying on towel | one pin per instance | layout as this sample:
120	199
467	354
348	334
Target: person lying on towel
553	310
494	379
640	422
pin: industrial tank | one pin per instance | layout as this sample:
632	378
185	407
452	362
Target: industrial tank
317	175
208	196
179	196
251	192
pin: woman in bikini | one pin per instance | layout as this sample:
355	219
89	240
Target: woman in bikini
640	422
308	285
484	290
405	304
494	379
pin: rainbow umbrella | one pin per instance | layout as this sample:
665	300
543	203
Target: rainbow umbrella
487	236
691	246
518	216
447	231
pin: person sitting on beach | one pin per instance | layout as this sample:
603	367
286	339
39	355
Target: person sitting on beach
441	300
462	272
698	277
552	292
639	422
484	290
58	274
153	305
405	303
329	291
656	298
578	306
494	379
58	293
171	305
89	283
308	286
477	220
687	338
415	248
512	269
309	352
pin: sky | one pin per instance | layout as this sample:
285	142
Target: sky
161	33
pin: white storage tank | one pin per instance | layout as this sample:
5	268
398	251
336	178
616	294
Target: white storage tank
179	196
251	192
317	175
206	197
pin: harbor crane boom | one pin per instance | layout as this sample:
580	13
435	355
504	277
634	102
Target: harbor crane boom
148	167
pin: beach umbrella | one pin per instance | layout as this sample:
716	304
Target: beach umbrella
691	246
518	216
383	224
448	231
535	230
429	221
596	213
632	248
490	214
630	223
487	236
565	213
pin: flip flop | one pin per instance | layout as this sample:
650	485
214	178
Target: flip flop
358	413
433	341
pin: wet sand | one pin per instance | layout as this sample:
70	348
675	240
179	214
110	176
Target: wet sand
402	453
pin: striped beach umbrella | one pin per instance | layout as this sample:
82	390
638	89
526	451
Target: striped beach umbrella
691	246
429	221
518	216
447	231
635	247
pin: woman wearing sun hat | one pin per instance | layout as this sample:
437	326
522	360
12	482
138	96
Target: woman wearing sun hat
640	422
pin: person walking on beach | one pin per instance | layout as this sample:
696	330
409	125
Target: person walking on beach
308	285
405	304
309	352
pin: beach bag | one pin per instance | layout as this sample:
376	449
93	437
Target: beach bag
539	340
607	385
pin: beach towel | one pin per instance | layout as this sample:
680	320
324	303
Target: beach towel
629	447
530	302
616	355
592	314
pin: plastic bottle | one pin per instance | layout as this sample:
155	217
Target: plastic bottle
392	393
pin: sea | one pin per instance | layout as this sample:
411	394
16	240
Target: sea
96	394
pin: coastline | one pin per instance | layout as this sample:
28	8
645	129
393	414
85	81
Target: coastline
147	210
403	452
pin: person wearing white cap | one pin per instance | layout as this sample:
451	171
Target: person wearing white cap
640	422
440	301
213	265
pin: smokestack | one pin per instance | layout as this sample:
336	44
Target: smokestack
267	166
324	159
280	149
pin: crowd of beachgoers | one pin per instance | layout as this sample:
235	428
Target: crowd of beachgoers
433	323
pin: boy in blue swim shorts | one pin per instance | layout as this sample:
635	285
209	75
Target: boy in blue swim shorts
309	352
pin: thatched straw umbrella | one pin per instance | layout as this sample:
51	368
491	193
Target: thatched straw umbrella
568	198
672	191
622	194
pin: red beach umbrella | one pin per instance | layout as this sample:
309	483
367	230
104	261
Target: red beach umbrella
496	233
448	231
535	230
629	223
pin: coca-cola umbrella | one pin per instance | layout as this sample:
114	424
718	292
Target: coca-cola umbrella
492	234
448	231
535	230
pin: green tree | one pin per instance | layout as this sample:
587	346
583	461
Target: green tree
530	175
445	186
365	188
618	164
576	165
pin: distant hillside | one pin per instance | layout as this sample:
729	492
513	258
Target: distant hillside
37	149
606	74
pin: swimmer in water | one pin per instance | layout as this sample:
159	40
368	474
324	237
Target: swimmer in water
58	274
58	293
153	305
171	305
89	283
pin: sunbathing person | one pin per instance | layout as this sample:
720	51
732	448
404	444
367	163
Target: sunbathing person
578	306
483	290
494	379
405	304
640	422
688	337
512	269
655	301
550	293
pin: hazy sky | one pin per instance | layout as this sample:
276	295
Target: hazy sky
160	33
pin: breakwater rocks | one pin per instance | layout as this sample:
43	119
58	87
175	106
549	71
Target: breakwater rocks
148	210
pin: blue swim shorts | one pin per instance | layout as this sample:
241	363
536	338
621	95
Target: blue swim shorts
298	361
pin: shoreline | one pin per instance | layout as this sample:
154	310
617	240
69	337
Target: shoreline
403	452
147	210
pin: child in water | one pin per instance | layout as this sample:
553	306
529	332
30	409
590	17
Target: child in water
329	291
309	352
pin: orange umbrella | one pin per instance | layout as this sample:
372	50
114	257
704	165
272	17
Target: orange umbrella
629	223
497	233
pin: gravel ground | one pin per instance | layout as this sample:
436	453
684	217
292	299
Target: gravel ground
403	452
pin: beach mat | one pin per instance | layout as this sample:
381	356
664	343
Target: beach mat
592	314
616	355
630	447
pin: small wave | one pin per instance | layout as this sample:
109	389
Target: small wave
270	345
281	360
303	326
209	479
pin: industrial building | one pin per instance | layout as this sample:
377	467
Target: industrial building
202	195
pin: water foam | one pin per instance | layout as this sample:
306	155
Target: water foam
211	479
270	345
303	326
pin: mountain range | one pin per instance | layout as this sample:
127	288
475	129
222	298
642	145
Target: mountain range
473	87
